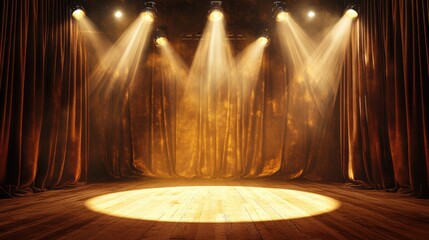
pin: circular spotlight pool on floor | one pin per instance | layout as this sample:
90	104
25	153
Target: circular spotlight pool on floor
212	204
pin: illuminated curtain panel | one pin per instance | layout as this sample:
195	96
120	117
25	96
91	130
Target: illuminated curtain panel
214	121
112	80
181	128
384	98
43	103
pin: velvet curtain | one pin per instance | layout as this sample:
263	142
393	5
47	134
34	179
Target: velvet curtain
43	113
384	98
381	112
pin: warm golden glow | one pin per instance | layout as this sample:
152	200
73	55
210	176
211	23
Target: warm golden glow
282	16
175	66
212	204
216	15
263	41
311	14
319	67
148	16
78	14
351	13
121	61
316	70
161	41
97	44
118	14
248	66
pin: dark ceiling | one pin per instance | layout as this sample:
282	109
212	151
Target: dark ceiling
184	17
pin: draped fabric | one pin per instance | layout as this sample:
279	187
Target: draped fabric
161	123
43	114
166	124
384	98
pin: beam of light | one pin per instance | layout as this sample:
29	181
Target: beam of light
282	16
115	73
325	66
212	204
177	69
248	65
311	14
216	15
295	43
118	14
319	68
314	77
97	44
204	113
78	14
351	13
122	60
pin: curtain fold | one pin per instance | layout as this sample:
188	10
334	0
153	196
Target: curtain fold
384	98
43	97
166	129
377	134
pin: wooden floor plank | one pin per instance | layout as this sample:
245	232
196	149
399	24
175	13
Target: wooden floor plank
62	214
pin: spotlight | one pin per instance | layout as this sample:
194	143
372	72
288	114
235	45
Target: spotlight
118	14
161	41
282	16
78	14
160	38
216	15
149	12
352	9
311	14
148	17
280	12
77	11
264	37
215	10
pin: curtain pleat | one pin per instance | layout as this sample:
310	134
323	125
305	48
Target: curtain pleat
43	97
384	98
377	134
161	130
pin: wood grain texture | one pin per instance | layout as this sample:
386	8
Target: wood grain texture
363	214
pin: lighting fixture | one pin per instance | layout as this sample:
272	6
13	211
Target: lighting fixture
77	11
280	12
351	12
160	38
264	37
352	9
311	14
118	14
215	13
149	12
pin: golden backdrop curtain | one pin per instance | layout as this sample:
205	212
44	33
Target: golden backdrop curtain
158	126
384	98
43	141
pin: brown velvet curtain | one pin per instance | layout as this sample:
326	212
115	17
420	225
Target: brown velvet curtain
43	113
384	98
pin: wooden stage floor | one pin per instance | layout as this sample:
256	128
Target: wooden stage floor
214	209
